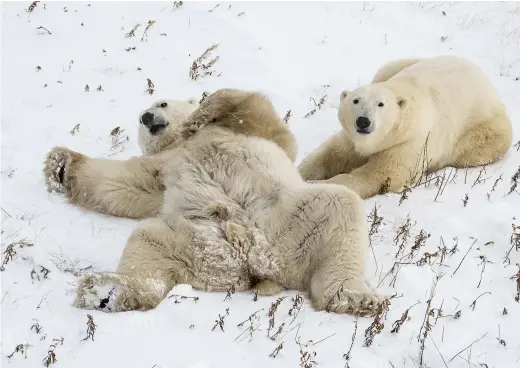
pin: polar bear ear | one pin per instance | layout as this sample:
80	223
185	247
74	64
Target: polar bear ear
343	94
402	102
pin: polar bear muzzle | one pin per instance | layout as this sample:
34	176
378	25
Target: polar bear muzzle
364	125
155	124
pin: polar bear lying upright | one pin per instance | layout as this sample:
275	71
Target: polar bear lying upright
417	116
235	210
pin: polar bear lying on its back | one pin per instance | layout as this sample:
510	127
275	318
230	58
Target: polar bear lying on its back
235	210
445	101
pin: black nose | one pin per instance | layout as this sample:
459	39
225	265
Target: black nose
147	119
363	123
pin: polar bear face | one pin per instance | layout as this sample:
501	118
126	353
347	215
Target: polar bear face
368	114
160	119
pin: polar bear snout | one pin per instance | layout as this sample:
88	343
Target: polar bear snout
364	125
147	119
155	124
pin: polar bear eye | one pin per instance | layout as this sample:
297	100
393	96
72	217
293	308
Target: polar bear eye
380	104
355	101
164	104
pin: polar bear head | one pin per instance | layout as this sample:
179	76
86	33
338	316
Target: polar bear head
157	123
370	115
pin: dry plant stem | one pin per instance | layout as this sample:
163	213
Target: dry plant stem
45	29
514	181
131	33
32	6
377	325
483	262
348	354
426	325
444	182
438	351
287	117
478	179
148	26
276	351
220	321
91	328
421	165
474	304
467	347
463	258
396	326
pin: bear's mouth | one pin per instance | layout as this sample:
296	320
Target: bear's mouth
360	131
157	128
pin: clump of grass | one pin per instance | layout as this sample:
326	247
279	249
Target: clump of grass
276	351
131	33
377	324
91	328
515	242
317	105
12	250
375	221
20	349
271	313
31	7
287	117
385	186
396	326
118	140
200	69
403	234
515	179
75	129
219	322
150	86
404	194
51	358
144	37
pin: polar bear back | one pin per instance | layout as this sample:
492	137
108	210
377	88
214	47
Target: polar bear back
455	96
458	88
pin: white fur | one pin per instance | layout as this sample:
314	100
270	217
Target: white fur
437	112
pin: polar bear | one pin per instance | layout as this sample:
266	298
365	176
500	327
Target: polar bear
227	208
416	117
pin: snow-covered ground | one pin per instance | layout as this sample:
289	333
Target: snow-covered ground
294	52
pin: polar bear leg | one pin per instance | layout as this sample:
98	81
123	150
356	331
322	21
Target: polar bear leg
149	267
127	188
484	143
334	156
334	249
391	68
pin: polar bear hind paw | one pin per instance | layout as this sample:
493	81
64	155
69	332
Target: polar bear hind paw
363	304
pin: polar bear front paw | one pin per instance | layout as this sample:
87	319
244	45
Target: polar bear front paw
55	169
107	292
97	291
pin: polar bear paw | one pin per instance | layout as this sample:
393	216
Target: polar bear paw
104	291
357	303
55	168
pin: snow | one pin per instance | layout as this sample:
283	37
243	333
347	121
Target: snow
292	52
